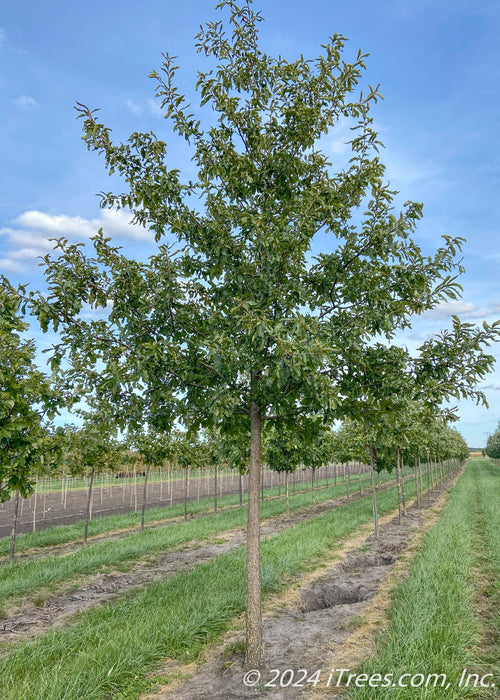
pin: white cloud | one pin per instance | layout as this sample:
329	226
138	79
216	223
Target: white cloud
337	142
116	223
464	309
149	106
26	103
58	225
155	108
31	239
134	107
9	265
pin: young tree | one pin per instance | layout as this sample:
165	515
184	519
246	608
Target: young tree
493	444
27	401
284	452
92	449
239	319
154	448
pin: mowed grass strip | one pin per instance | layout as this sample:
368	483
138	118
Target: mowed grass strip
489	512
432	627
62	534
110	649
27	576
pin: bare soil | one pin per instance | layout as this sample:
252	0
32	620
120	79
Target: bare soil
312	626
41	612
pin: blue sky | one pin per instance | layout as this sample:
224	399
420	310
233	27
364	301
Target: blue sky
438	64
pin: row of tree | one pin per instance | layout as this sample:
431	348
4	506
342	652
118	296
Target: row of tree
242	318
493	444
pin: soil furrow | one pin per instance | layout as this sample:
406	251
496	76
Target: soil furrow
314	625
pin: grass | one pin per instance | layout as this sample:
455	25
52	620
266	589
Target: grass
112	647
63	534
25	576
488	505
432	622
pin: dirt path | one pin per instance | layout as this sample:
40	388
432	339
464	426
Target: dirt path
326	621
40	612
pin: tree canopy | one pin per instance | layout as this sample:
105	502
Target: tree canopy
27	403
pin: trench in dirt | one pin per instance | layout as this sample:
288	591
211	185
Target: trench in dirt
308	628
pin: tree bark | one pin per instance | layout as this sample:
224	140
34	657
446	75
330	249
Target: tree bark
215	487
398	478
87	512
287	498
253	658
313	483
403	493
34	506
416	480
374	495
14	529
144	498
186	490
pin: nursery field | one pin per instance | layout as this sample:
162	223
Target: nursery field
136	611
63	501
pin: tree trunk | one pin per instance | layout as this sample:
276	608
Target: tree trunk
14	529
215	487
144	498
286	492
253	658
87	512
135	489
347	483
34	506
186	489
420	480
403	477
240	487
398	478
416	480
313	484
374	495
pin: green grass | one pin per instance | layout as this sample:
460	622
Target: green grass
26	576
77	483
111	648
488	504
63	534
432	622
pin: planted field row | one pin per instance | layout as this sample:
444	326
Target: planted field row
434	643
109	647
64	507
29	575
66	533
